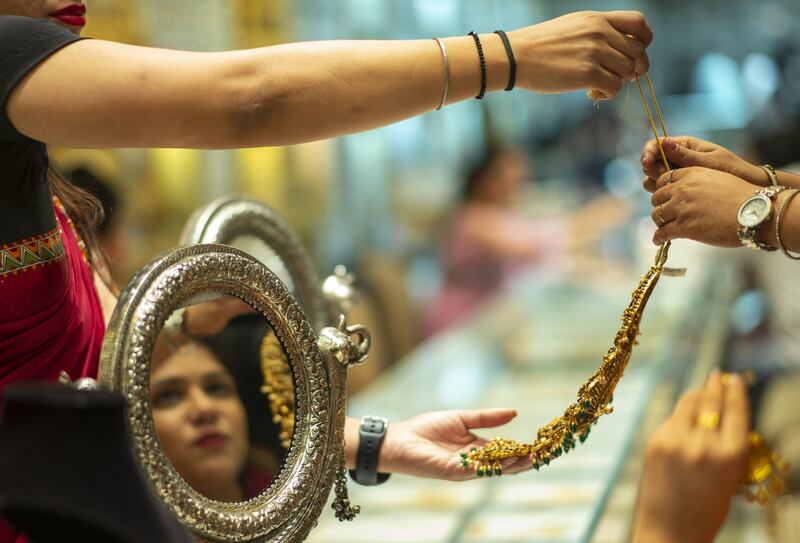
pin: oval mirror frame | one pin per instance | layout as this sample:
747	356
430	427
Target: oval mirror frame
229	217
289	508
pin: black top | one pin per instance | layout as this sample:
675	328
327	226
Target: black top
25	206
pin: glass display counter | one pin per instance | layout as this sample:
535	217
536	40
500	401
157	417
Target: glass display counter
531	349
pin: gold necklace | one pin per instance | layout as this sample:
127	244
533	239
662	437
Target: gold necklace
762	478
278	386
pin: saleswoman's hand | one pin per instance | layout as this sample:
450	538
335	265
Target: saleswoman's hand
428	445
685	151
693	465
583	50
700	204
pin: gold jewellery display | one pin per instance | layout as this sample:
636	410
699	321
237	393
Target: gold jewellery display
278	386
762	478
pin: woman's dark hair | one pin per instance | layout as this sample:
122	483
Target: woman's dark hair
476	174
84	178
84	209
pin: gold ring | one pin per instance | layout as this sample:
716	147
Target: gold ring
660	216
708	420
669	176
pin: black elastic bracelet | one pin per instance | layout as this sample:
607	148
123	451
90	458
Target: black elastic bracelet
512	62
483	65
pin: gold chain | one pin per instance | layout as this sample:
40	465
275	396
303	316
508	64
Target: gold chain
761	479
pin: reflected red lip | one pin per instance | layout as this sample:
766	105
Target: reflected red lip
211	439
74	9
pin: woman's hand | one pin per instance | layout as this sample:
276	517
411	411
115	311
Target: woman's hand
428	445
210	318
693	464
583	50
685	151
701	204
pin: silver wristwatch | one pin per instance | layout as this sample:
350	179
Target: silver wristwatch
755	212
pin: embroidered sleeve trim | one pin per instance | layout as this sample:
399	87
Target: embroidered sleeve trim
32	252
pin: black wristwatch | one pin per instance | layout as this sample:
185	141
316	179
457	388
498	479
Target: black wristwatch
370	438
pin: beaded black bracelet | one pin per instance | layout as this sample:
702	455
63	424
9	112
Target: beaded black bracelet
483	64
512	62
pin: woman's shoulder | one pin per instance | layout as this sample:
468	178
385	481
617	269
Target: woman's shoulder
19	23
37	35
24	43
14	28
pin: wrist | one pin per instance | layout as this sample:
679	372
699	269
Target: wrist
387	461
788	179
351	439
372	441
465	68
755	175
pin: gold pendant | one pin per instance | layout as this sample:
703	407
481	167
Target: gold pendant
595	396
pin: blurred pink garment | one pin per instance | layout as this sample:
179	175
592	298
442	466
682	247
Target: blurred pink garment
474	269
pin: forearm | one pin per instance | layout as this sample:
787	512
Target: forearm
144	97
315	90
787	179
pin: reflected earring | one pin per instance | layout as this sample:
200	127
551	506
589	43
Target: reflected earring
278	386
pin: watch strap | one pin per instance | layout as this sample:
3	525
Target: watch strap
371	434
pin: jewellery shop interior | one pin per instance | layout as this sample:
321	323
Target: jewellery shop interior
485	254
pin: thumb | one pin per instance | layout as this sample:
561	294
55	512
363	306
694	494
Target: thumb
681	155
487	418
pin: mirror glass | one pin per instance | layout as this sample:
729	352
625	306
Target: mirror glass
222	398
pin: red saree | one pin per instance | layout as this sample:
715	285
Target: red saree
50	316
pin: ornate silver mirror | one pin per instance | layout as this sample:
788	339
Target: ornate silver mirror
230	471
257	229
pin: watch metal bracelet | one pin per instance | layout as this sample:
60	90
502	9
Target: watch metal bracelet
749	235
773	177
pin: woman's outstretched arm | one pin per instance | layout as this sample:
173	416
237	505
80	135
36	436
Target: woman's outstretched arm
100	94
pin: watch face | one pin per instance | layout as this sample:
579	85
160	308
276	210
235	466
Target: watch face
754	211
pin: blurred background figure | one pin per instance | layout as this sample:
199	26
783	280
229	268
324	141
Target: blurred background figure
487	236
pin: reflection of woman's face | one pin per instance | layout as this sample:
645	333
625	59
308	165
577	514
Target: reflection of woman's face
200	421
71	14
